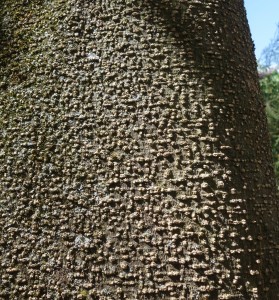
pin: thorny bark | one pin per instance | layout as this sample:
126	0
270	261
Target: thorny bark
135	162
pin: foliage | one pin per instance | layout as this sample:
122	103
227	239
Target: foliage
270	91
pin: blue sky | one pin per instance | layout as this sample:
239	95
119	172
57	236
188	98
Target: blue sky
263	17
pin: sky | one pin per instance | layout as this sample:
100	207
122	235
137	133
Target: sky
263	17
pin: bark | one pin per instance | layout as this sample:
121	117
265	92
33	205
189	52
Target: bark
135	159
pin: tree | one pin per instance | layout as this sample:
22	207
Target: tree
135	162
270	55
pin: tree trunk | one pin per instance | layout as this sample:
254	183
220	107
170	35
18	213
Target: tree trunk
135	159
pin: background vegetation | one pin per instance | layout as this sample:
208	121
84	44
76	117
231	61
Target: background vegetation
270	91
269	81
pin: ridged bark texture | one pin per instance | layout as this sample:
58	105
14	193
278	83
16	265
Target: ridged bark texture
135	162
